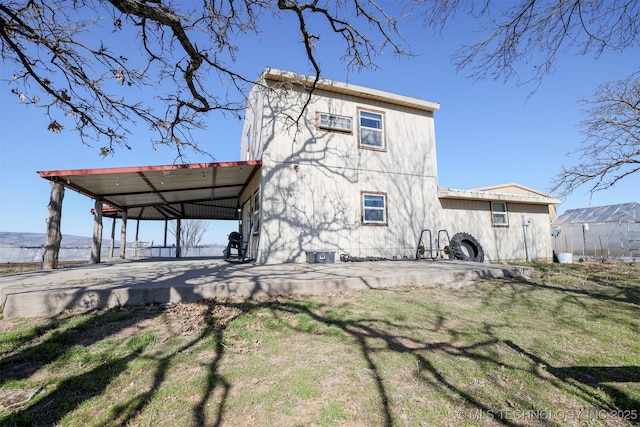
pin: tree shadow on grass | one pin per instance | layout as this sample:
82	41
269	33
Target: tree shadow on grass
592	281
366	333
128	410
50	342
587	378
69	394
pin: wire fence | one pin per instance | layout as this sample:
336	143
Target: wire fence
16	254
600	239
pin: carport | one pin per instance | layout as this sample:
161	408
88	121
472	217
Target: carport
208	191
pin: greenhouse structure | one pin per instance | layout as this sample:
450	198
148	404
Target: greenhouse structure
604	231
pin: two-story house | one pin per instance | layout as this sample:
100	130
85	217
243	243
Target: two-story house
353	170
339	169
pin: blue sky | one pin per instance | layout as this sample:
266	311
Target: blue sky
487	132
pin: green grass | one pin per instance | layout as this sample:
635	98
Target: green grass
501	352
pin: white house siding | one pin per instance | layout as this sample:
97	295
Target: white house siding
500	243
250	140
312	179
250	231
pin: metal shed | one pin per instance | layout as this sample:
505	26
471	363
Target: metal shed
602	231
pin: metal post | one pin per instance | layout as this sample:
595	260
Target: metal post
123	236
178	233
113	237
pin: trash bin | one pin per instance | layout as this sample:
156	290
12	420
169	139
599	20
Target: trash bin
565	257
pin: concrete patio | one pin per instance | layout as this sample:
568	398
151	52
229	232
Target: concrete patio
153	280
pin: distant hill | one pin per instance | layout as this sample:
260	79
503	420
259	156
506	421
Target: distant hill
36	240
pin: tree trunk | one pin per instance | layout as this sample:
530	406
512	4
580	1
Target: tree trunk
54	235
96	246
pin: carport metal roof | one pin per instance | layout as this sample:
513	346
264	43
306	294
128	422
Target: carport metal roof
191	191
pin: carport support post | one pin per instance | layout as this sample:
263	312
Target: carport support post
113	237
96	243
123	236
166	226
135	244
54	236
178	233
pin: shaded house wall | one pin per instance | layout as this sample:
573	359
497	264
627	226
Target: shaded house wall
313	179
310	193
501	243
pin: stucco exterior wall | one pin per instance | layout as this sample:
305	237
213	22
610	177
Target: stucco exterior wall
313	179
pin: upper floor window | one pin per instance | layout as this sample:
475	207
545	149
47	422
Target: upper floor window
371	130
499	214
334	122
374	208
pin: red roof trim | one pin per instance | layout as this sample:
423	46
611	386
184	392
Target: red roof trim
97	171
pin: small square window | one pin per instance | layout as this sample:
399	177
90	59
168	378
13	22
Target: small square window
374	208
499	216
371	130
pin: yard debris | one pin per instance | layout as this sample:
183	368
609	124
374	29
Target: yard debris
13	398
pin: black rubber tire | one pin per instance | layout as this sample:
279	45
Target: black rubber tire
465	247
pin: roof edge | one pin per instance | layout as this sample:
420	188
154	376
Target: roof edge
496	189
95	171
275	74
448	193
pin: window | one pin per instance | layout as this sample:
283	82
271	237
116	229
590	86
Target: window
255	213
374	208
499	214
371	130
333	122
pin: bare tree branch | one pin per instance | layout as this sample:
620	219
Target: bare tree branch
191	233
611	150
522	40
527	36
64	60
70	65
